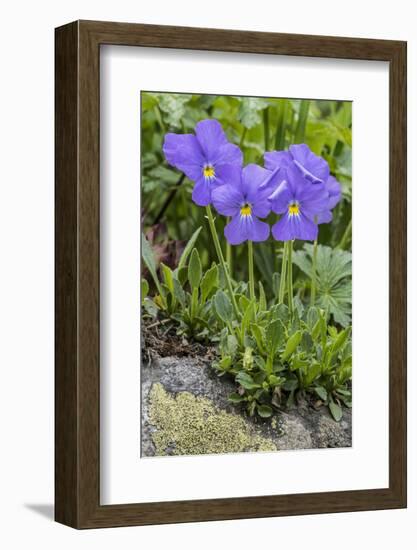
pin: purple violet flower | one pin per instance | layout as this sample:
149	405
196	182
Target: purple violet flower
314	168
245	199
299	201
203	157
335	194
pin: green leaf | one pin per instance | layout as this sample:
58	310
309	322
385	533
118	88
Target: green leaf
188	249
179	292
334	279
194	270
262	298
168	277
336	410
264	410
236	398
246	381
210	280
290	385
276	277
298	363
340	340
312	317
249	111
148	258
223	306
313	372
282	312
321	392
274	380
244	303
259	335
182	275
248	316
274	336
291	345
172	107
144	288
298	304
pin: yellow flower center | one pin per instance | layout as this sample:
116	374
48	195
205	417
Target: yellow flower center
208	171
246	210
293	209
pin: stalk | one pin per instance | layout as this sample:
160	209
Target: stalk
314	275
229	259
302	121
266	128
290	289
314	271
251	276
283	279
346	236
221	260
280	133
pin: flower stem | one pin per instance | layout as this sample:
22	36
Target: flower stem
282	281
251	276
281	121
266	128
346	236
229	258
302	121
314	274
221	260
290	289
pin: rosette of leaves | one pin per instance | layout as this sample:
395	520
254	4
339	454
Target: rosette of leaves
334	279
183	294
282	357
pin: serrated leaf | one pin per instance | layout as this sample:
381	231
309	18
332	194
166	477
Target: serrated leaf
250	111
334	279
173	107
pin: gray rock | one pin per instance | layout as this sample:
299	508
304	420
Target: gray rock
300	428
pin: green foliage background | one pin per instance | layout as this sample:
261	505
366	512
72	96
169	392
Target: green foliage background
169	217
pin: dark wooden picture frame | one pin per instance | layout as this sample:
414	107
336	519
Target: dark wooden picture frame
77	372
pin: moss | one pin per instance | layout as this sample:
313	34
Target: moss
190	425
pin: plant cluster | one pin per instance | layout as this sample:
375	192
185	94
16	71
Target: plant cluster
287	346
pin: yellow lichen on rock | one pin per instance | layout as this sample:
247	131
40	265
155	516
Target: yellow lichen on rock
190	425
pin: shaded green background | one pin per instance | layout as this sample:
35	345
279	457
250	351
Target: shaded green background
169	217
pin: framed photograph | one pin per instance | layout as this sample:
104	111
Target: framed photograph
230	274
